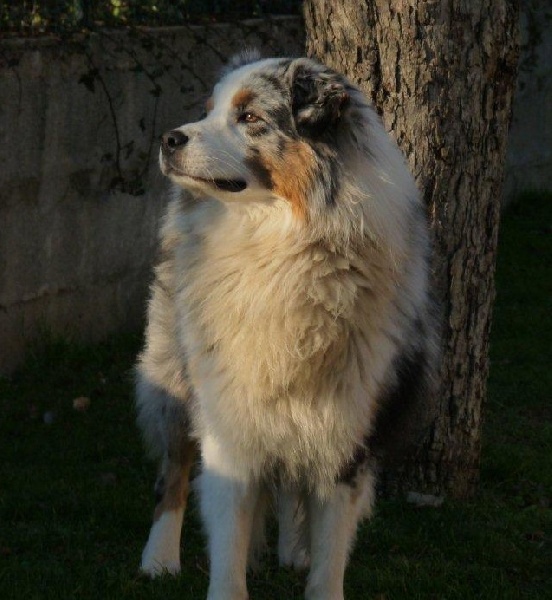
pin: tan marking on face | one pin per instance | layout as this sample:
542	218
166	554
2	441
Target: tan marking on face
292	176
243	98
177	477
209	104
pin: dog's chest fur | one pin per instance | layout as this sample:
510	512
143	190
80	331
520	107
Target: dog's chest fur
286	340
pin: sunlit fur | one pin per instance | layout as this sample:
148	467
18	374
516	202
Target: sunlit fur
289	305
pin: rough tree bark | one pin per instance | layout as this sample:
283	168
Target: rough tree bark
442	74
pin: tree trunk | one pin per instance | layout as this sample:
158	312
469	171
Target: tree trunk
442	74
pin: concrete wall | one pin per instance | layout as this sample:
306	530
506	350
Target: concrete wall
80	190
529	161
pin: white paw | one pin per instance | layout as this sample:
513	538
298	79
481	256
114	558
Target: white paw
226	593
155	567
162	552
296	558
327	593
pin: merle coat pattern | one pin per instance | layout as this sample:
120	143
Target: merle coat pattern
290	302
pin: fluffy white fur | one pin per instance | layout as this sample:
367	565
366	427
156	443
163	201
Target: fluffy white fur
278	316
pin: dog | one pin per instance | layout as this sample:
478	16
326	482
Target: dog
291	308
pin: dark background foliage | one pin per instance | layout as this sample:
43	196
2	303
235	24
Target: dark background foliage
58	16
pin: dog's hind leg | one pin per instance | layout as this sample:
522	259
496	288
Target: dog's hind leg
258	543
165	424
293	530
333	524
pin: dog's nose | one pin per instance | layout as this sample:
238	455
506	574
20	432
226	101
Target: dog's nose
173	140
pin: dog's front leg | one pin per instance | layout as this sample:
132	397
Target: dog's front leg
333	524
228	500
162	552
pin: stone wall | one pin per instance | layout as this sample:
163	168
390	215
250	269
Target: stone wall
80	190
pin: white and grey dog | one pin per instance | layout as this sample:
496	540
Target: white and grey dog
290	307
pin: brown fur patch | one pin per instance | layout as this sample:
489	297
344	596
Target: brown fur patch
176	487
209	104
242	98
292	175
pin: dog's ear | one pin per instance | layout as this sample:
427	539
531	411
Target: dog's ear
318	98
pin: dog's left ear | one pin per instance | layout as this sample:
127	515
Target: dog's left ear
318	98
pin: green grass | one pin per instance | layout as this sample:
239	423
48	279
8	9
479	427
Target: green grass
75	495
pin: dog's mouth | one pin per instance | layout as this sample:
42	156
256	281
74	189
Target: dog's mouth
225	185
229	185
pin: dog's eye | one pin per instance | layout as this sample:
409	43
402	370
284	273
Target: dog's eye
248	117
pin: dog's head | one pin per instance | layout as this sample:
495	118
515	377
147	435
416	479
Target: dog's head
270	131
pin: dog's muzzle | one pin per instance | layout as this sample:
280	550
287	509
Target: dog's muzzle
175	140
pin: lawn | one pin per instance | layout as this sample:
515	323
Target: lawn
76	491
